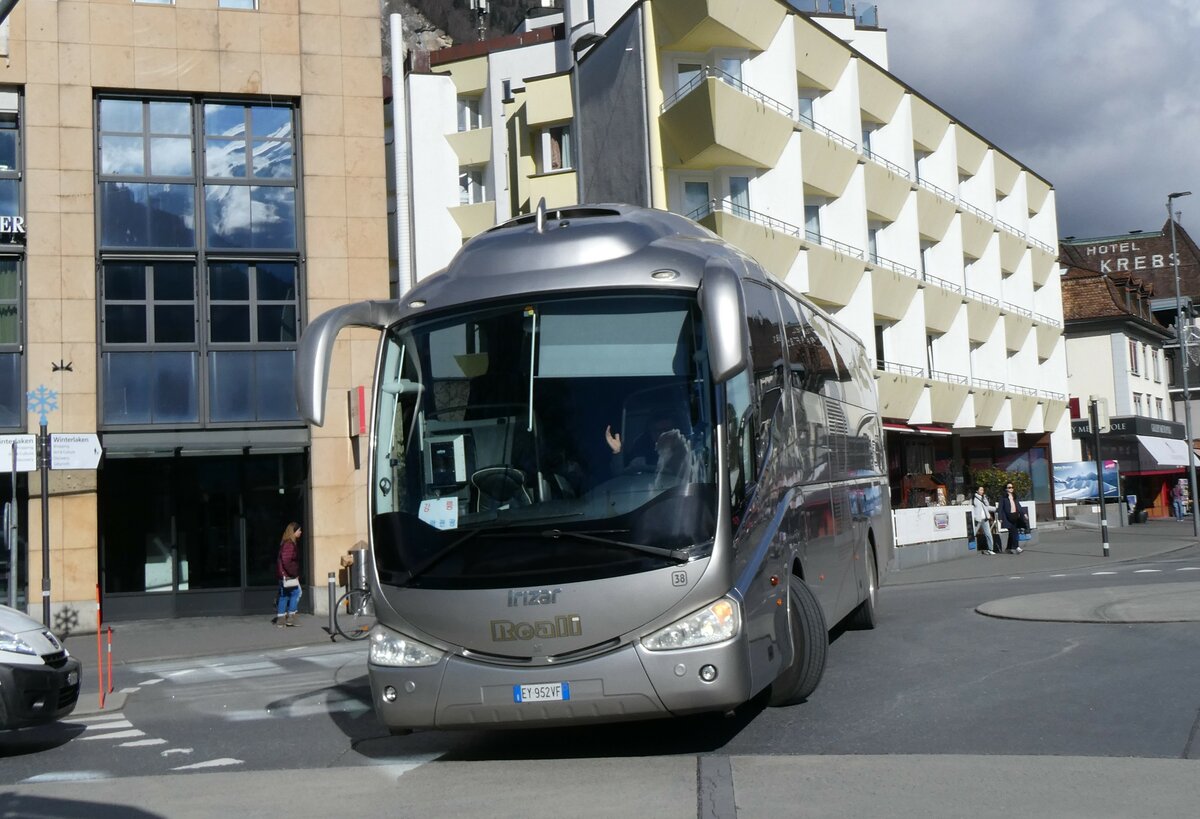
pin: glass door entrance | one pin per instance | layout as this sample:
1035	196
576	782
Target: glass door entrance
195	535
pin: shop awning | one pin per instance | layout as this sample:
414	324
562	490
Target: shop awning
1163	453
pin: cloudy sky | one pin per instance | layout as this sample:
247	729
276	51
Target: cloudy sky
1100	97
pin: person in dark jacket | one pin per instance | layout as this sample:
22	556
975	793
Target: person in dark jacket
1012	516
287	569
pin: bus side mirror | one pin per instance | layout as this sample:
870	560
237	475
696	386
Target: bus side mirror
315	354
724	309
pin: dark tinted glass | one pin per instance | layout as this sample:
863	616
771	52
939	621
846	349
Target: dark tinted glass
8	146
173	281
229	281
12	398
9	196
124	323
250	217
174	323
277	322
124	280
229	323
276	281
137	214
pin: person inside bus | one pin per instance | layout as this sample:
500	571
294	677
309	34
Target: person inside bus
661	448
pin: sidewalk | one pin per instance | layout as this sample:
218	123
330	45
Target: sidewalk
1057	549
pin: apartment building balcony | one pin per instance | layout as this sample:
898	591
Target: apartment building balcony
1012	246
990	400
934	396
698	25
716	119
1018	323
559	188
1049	331
1044	262
935	210
828	159
943	300
892	289
1023	402
772	242
900	388
548	99
977	229
820	59
947	394
888	186
879	94
473	147
474	219
983	311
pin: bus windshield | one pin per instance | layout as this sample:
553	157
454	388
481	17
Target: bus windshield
546	441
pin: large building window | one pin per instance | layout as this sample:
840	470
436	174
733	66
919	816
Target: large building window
12	265
200	273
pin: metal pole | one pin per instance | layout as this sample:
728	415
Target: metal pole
332	585
1183	360
44	463
14	551
1094	413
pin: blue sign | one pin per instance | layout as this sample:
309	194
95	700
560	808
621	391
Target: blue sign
42	401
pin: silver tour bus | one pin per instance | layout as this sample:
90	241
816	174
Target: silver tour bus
617	472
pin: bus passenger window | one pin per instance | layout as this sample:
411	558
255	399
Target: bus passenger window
740	437
766	361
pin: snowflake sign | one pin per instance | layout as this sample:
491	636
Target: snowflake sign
42	401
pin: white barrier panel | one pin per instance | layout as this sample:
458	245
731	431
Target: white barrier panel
927	524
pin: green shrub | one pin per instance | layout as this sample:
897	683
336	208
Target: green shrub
994	480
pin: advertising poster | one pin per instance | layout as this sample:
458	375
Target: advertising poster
1076	480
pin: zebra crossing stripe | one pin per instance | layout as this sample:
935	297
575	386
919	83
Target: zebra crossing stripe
115	735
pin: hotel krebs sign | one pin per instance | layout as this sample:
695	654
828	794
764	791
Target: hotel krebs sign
1130	425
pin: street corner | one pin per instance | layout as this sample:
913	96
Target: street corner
89	704
1164	603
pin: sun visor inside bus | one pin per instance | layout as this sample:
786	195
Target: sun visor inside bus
723	305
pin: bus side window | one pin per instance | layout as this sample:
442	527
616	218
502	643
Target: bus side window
766	365
738	421
810	368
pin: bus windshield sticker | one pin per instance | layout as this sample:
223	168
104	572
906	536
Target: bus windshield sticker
440	513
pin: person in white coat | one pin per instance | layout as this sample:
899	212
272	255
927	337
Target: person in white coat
981	512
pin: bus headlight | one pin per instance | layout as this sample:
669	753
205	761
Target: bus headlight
389	648
712	624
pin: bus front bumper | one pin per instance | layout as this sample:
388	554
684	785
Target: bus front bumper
628	683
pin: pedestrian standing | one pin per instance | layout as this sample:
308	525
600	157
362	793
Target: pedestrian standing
981	514
1177	499
1012	515
287	569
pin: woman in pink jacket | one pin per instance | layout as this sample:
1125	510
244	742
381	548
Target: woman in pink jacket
287	569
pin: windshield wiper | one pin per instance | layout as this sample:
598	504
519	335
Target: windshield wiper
680	555
496	531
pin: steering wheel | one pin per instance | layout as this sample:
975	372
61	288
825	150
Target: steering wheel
499	485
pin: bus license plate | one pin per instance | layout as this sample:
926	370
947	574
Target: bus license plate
542	692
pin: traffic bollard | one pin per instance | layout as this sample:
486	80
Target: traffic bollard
332	603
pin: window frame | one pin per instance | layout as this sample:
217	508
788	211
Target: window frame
201	256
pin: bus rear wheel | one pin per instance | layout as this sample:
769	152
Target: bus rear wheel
863	617
810	644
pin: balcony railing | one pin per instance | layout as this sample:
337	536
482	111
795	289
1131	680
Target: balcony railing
1014	231
1053	396
987	384
1037	243
868	18
967	206
809	122
1020	311
728	79
1042	318
900	369
943	283
903	269
983	297
1030	391
742	212
952	378
942	192
887	163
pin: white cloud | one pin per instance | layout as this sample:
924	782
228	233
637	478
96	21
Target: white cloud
1096	97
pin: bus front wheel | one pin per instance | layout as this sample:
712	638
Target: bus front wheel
810	643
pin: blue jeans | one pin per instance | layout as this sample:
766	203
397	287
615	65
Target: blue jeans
289	599
984	529
1177	504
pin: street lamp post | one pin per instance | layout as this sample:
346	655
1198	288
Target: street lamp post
1183	360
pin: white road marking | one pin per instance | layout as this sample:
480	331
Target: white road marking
181	672
98	718
1100	573
398	765
150	682
69	776
115	735
118	723
132	690
1189	569
1058	575
141	743
212	763
170	751
1148	571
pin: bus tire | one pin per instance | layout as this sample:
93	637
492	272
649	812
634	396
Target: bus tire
863	617
810	644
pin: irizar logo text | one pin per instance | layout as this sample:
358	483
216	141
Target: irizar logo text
563	625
